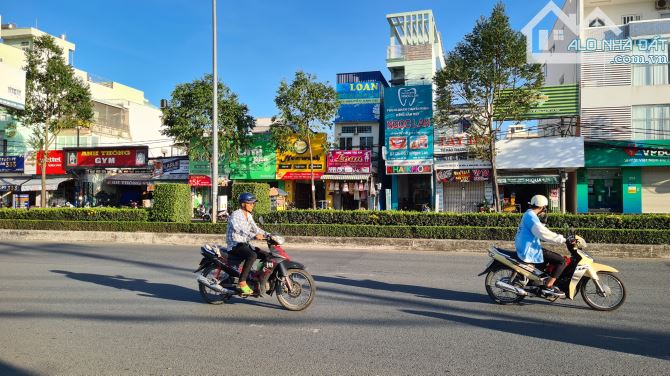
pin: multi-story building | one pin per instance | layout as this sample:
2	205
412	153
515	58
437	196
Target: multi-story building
414	55
623	77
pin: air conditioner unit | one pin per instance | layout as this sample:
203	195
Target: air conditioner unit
661	4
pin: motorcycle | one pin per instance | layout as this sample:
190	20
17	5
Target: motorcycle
273	272
510	280
206	214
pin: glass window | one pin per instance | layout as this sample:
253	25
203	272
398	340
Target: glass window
651	122
348	130
366	143
365	129
651	74
346	143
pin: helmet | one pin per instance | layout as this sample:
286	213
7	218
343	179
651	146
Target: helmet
539	201
246	197
580	242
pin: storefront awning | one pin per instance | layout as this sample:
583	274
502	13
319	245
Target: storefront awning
130	179
345	177
33	185
540	152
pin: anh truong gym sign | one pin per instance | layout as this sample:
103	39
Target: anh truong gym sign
107	157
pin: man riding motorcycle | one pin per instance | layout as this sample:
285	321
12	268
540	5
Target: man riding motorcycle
528	247
241	229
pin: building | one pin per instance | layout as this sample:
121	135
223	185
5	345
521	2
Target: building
624	100
414	55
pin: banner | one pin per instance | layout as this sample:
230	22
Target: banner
627	153
552	102
121	157
12	87
409	128
349	161
359	102
199	181
169	166
463	176
259	162
294	164
11	164
55	163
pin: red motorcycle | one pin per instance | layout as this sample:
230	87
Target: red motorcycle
273	272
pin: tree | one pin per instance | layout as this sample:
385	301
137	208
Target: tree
306	107
187	119
487	80
55	98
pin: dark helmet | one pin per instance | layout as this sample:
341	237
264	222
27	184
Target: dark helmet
246	197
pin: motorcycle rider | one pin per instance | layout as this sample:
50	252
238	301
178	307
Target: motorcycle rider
528	247
241	229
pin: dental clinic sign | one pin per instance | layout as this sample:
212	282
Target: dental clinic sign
409	128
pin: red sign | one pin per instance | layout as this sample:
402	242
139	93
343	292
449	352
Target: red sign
463	176
349	161
55	165
199	181
121	157
419	169
292	175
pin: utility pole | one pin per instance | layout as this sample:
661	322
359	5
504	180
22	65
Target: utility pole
215	121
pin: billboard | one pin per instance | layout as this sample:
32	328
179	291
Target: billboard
11	163
552	102
294	164
109	157
55	163
349	161
258	162
359	102
12	87
409	127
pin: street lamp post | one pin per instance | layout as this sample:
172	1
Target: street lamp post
215	121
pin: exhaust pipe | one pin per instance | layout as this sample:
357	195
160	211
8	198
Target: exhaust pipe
510	288
201	279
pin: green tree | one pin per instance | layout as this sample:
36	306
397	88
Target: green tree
55	98
487	80
306	107
187	119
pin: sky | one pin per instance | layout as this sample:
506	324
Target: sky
153	45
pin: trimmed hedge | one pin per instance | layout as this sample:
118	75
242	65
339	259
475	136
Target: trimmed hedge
615	236
260	190
172	203
394	218
77	214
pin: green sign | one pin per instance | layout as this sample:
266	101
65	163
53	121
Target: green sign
553	102
259	162
627	153
531	179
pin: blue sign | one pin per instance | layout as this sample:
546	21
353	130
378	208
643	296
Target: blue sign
359	102
11	163
409	127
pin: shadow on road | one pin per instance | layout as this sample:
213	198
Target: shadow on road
144	287
644	343
7	369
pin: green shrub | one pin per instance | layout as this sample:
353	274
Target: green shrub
172	203
260	190
77	214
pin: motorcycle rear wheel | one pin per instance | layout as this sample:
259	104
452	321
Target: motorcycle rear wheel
209	295
612	285
303	290
497	294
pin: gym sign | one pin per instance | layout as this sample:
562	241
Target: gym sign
110	157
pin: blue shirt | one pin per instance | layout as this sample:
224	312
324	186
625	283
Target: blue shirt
528	245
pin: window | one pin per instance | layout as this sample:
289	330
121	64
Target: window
346	143
650	74
366	143
364	129
596	22
630	18
348	130
651	122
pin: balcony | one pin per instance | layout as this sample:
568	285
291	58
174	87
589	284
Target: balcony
402	52
634	30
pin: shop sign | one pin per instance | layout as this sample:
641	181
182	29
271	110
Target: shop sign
199	181
258	162
349	161
455	144
552	102
55	163
463	176
409	128
294	164
12	87
121	157
420	169
11	163
359	102
536	179
169	166
623	154
461	164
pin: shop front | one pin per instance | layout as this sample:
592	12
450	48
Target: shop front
296	169
463	186
409	147
59	183
349	183
258	163
542	165
625	177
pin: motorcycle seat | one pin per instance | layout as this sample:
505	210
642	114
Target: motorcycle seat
510	254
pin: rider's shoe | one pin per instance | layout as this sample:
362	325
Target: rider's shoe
245	289
553	291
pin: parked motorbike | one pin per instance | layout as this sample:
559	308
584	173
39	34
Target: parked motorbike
206	214
510	280
273	272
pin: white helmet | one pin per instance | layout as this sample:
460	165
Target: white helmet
539	201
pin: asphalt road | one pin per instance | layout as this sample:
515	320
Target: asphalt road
74	309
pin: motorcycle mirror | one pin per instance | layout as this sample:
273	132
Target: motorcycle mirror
260	220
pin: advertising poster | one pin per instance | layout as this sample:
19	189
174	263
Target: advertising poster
55	163
409	129
11	164
135	156
359	102
294	164
463	176
349	161
258	162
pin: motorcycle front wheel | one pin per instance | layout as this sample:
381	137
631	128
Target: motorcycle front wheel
497	294
301	293
610	299
209	295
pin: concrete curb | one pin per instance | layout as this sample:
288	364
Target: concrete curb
440	245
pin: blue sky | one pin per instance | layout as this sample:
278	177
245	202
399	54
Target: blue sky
153	45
